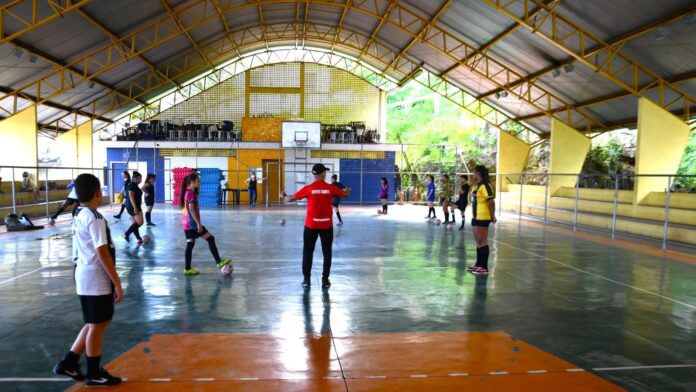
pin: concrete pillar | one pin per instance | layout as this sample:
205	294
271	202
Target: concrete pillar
662	138
512	156
18	139
84	144
568	152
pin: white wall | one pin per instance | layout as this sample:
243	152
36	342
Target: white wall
298	172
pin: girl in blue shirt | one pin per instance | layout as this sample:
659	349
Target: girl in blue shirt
430	197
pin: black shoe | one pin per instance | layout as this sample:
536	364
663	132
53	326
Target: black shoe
461	227
151	224
325	283
306	282
117	217
103	378
71	370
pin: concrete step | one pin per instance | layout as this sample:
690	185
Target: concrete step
628	210
677	232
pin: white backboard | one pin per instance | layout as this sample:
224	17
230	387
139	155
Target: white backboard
301	134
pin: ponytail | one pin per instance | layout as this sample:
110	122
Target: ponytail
184	185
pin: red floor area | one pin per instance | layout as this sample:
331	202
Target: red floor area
442	361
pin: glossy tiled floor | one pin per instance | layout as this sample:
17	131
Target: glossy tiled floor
558	312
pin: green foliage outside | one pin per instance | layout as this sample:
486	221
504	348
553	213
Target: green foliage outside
688	165
432	126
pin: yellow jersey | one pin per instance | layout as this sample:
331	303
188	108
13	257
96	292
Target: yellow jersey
479	200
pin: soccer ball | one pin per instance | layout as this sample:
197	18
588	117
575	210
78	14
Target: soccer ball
282	222
227	269
450	227
147	239
438	222
379	211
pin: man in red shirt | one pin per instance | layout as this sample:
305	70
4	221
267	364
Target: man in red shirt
318	223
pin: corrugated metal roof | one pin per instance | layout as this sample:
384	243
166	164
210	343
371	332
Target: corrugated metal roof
670	52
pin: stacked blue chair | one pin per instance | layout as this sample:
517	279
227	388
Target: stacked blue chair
211	190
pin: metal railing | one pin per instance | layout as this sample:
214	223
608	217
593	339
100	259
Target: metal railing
528	195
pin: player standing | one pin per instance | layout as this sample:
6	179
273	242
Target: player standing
318	223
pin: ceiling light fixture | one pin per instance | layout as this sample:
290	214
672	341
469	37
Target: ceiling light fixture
17	52
32	58
556	73
568	68
690	20
91	84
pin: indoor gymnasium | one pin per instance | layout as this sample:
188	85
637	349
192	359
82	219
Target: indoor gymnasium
348	195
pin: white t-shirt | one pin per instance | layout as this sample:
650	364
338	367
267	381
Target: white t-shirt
73	194
90	231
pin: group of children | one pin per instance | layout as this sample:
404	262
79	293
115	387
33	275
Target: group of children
99	287
446	195
132	196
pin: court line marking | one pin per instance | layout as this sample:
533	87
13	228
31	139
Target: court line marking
598	276
609	369
496	373
50	265
36	379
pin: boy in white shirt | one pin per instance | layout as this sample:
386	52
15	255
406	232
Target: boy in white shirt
97	284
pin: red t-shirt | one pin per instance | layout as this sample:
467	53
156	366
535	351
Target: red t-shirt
319	195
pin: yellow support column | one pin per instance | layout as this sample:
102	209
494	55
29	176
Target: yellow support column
660	144
66	146
568	152
84	144
512	155
18	136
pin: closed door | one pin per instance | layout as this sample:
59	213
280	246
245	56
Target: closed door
274	182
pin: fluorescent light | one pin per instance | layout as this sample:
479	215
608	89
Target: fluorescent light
568	68
556	73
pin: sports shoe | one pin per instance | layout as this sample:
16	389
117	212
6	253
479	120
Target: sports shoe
472	267
52	222
126	237
306	282
140	241
223	263
480	271
325	283
71	370
191	272
117	217
461	227
103	378
151	224
340	224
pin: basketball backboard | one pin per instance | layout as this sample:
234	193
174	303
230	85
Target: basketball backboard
301	134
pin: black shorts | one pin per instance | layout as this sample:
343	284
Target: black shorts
131	211
443	199
97	308
462	205
480	223
335	204
193	234
70	200
149	201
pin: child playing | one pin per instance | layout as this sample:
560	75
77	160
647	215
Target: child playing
188	201
149	191
463	200
336	201
430	198
134	204
97	283
446	197
124	192
384	195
